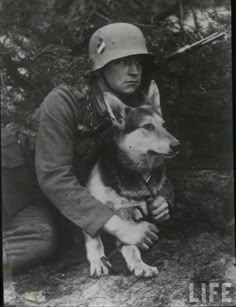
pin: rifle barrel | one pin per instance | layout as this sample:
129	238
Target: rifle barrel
200	43
211	39
204	39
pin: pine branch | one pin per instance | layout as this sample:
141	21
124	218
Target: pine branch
170	10
20	80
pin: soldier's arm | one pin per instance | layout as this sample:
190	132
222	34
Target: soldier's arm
54	155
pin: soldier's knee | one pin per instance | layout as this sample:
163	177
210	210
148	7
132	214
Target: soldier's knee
31	238
48	238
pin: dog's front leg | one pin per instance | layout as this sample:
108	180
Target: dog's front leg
95	250
135	263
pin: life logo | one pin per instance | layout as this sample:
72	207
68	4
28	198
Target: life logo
211	292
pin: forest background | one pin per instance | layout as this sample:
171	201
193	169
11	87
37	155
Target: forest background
44	43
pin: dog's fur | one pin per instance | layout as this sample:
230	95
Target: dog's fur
136	145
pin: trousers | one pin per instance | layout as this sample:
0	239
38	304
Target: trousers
29	238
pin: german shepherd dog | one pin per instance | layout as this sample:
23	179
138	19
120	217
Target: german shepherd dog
134	147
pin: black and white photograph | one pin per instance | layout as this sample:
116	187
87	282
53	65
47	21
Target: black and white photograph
117	153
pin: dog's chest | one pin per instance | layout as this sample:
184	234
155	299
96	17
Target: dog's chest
121	205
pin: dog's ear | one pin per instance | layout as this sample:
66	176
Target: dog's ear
153	97
117	110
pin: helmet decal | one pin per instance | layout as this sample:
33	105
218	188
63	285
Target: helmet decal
101	46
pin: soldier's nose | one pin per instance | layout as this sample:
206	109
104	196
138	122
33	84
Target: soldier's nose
133	69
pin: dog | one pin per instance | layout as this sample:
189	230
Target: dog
135	147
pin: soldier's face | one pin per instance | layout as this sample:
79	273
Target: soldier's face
124	75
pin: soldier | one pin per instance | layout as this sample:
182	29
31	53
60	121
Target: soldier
71	125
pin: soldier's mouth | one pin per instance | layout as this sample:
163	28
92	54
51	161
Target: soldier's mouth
132	82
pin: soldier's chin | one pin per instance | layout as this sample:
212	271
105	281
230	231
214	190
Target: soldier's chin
129	90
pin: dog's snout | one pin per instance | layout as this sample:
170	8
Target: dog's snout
175	147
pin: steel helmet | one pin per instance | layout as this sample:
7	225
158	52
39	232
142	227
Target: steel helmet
115	41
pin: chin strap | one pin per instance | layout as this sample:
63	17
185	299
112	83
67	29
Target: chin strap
106	82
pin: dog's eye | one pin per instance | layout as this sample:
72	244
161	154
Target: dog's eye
149	127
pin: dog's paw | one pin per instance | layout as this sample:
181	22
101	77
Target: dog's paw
141	269
97	268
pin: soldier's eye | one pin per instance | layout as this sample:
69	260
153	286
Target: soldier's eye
138	61
123	61
149	127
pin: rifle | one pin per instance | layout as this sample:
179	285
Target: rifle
186	49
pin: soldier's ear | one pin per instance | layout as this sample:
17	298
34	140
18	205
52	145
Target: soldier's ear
116	109
153	97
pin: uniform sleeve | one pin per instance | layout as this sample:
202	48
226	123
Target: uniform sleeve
54	156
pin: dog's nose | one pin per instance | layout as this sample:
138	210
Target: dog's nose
175	147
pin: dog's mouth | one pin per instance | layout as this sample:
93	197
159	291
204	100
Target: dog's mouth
164	155
170	155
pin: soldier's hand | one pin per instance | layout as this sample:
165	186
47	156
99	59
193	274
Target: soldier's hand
143	234
159	209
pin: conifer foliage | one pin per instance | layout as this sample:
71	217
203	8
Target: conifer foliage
44	43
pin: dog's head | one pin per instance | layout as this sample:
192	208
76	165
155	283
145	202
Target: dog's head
142	135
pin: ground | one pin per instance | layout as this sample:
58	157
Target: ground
195	247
